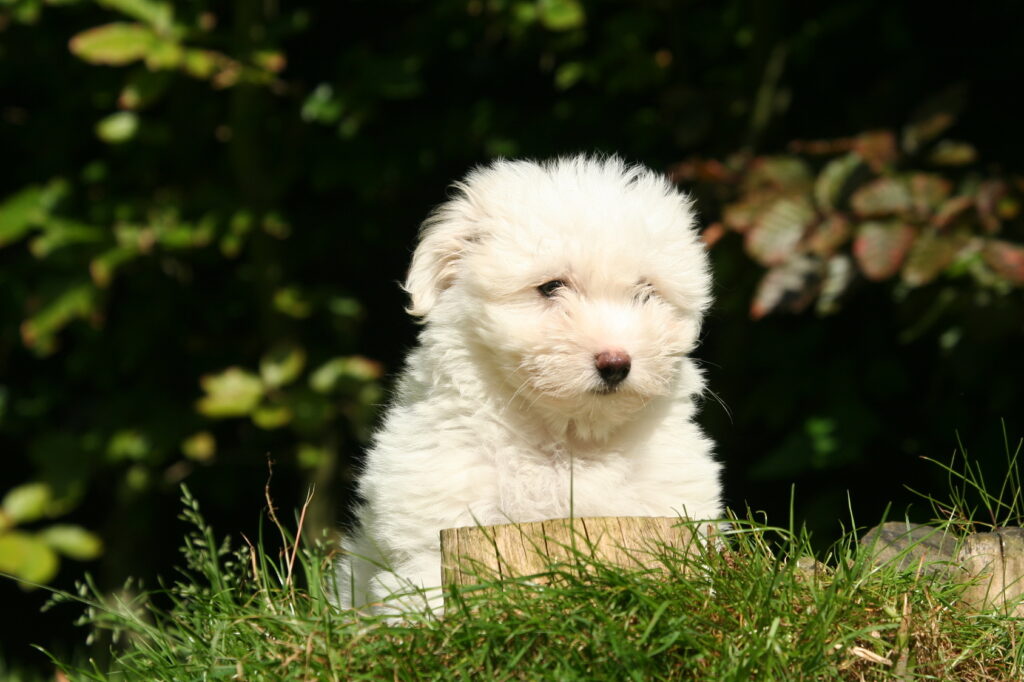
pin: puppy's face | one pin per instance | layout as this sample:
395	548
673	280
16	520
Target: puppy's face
578	285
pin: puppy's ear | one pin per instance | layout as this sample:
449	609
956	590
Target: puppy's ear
444	239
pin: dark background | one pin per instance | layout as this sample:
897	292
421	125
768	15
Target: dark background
345	123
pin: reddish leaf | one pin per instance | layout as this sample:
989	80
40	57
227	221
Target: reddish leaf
928	191
701	170
882	197
834	177
790	286
877	148
931	253
1007	259
880	248
951	210
779	230
712	233
829	235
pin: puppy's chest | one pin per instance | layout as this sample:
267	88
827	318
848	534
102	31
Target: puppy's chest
534	486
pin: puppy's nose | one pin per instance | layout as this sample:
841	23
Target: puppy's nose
613	366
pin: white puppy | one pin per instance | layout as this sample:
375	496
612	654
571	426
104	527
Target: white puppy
560	301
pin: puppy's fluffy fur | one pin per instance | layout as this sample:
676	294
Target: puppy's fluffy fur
560	302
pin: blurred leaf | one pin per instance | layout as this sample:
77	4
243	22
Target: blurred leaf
328	376
118	127
1006	259
880	248
988	201
833	181
159	15
27	502
790	286
953	153
779	174
829	234
77	301
742	215
933	118
282	365
61	232
929	256
778	232
103	266
232	393
27	558
952	210
839	272
882	197
322	106
128	444
271	416
928	191
310	456
28	208
568	74
560	15
114	44
143	88
72	541
200	447
292	302
878	149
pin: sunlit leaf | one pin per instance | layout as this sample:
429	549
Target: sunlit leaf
128	444
271	416
28	208
311	456
159	15
282	365
775	236
829	234
880	248
292	302
832	183
200	447
790	286
58	233
77	301
839	273
27	502
882	197
114	44
28	558
1006	259
561	15
103	266
232	393
328	376
118	127
72	541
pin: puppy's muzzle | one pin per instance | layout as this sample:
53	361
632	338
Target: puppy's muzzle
613	367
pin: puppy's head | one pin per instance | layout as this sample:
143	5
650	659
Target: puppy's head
577	284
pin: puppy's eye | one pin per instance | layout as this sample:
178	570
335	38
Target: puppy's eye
548	289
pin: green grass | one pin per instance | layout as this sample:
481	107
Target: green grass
752	608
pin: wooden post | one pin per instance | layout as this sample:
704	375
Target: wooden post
483	553
994	564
